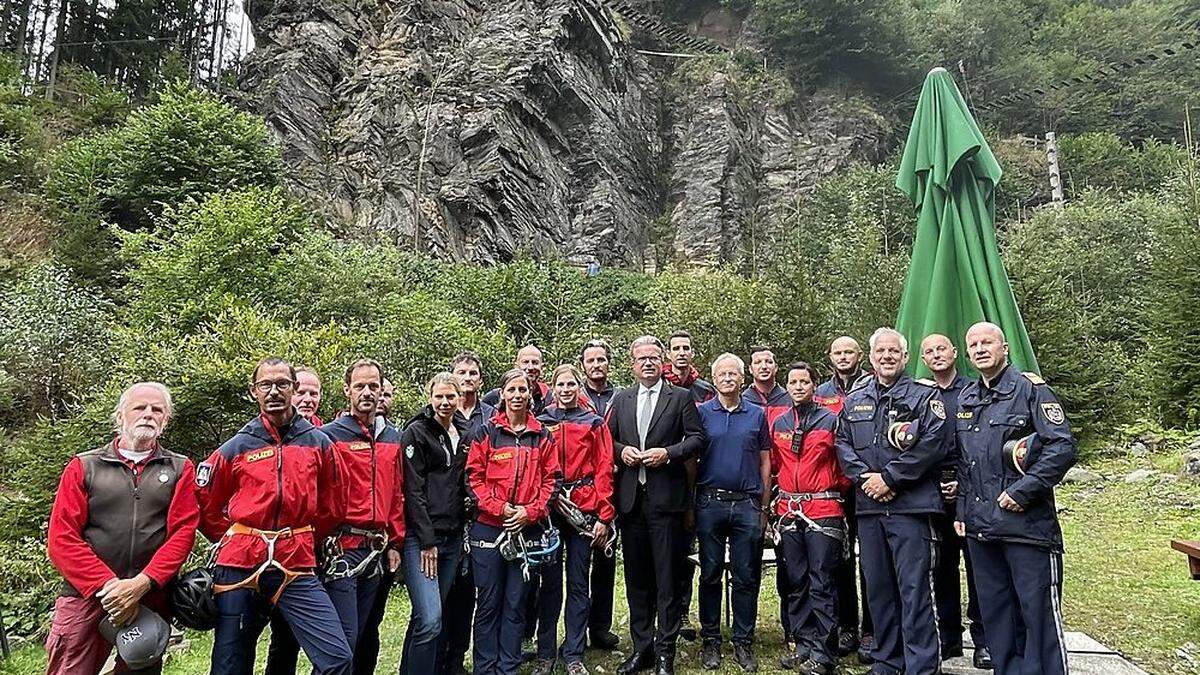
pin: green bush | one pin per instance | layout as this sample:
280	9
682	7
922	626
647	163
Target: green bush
54	338
1174	362
841	266
1103	160
30	583
1082	281
186	146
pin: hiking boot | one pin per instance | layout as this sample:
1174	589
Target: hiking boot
847	642
543	667
710	655
744	657
576	668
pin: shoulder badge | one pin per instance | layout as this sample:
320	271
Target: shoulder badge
203	474
937	408
1054	413
925	381
1034	378
408	451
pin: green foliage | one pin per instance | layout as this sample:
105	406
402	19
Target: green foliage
1175	318
1103	160
840	267
1081	281
28	579
186	146
54	339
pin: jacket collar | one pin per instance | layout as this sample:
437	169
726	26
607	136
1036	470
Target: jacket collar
532	425
259	428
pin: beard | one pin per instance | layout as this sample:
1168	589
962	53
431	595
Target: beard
141	433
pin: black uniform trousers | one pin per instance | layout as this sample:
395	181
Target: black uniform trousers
655	560
947	588
810	560
898	553
849	579
604	581
1020	592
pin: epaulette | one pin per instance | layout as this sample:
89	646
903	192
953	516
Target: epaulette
925	381
1034	378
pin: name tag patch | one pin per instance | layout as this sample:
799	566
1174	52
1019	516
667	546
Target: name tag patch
360	445
501	456
260	454
864	407
965	414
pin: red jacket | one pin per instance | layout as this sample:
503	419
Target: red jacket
77	560
815	467
269	479
507	467
585	453
369	492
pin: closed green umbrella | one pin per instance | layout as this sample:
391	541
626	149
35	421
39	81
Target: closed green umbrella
956	277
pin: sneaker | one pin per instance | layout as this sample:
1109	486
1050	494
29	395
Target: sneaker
951	651
864	650
576	668
847	642
744	657
710	655
543	667
982	658
811	667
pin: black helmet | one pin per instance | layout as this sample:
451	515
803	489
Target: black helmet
142	642
192	600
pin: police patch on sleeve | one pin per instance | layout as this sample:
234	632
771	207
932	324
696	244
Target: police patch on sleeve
408	451
203	474
1054	413
938	408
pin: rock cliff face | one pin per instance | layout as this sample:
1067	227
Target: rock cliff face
475	129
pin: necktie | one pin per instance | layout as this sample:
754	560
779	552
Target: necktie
645	412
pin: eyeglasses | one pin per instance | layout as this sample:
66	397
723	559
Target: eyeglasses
647	359
265	386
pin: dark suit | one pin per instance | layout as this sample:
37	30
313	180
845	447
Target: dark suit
651	515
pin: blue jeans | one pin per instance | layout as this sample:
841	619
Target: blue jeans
736	524
578	552
353	597
427	596
499	606
304	605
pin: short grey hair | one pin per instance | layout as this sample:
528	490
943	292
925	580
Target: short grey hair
886	331
728	356
647	340
157	386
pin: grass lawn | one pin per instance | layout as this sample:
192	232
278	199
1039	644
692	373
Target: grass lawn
1124	586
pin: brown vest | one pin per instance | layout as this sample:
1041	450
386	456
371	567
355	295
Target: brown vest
126	522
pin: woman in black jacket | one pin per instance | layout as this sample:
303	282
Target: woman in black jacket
435	448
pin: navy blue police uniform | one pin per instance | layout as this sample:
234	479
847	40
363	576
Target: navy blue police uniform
1016	556
947	586
896	538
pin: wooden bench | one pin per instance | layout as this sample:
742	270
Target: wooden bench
1192	550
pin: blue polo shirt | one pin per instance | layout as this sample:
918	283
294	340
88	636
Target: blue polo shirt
733	440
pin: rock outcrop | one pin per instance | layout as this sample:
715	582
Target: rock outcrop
477	129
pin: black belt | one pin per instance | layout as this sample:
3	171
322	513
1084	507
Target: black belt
572	484
728	495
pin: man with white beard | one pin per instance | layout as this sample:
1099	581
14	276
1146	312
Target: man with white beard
123	522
